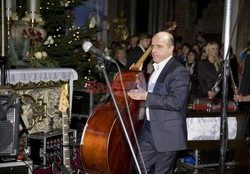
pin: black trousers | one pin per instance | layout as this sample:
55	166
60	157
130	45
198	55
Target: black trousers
155	162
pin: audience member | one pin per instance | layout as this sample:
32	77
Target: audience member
121	58
200	40
197	49
191	66
203	55
136	53
208	70
244	93
134	40
185	49
245	82
112	48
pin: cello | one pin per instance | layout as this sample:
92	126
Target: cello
104	147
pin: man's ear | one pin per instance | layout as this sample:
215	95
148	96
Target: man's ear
171	47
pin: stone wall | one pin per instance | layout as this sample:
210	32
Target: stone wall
210	23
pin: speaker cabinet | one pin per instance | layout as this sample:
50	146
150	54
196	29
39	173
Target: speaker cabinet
9	125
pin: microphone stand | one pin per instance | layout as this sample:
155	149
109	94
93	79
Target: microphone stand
102	66
216	87
3	62
3	57
224	123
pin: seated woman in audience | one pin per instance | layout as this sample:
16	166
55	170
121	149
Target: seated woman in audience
191	66
121	58
208	70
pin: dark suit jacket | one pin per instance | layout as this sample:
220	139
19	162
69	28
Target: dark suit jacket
167	107
134	55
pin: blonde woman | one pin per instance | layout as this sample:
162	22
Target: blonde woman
208	70
121	58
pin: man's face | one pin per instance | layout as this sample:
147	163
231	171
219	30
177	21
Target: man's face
145	43
161	48
121	54
185	50
134	41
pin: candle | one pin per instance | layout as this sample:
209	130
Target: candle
33	6
33	15
8	4
8	8
8	13
14	6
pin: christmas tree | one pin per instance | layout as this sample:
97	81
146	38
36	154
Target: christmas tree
66	49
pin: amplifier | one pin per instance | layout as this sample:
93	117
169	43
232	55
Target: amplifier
9	122
210	158
45	148
16	167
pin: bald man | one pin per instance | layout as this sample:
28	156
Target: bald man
164	132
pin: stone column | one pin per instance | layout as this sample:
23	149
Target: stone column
132	16
160	15
171	9
154	23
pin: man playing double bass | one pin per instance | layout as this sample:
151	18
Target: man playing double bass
164	131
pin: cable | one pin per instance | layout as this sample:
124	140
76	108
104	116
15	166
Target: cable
28	166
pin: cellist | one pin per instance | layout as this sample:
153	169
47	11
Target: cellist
164	132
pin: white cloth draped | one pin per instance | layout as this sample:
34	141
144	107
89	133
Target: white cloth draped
35	75
208	128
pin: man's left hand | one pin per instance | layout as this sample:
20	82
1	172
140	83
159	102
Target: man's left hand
138	94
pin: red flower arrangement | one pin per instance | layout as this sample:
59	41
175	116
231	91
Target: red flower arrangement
36	42
36	46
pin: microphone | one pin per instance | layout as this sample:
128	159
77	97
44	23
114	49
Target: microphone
88	47
215	88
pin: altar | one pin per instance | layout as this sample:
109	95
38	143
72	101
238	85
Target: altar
39	91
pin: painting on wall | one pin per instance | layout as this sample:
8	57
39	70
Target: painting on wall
88	10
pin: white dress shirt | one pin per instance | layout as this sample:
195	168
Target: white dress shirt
153	78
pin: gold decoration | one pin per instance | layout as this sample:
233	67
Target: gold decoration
120	28
39	105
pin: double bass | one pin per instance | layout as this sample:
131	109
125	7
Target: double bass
104	147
